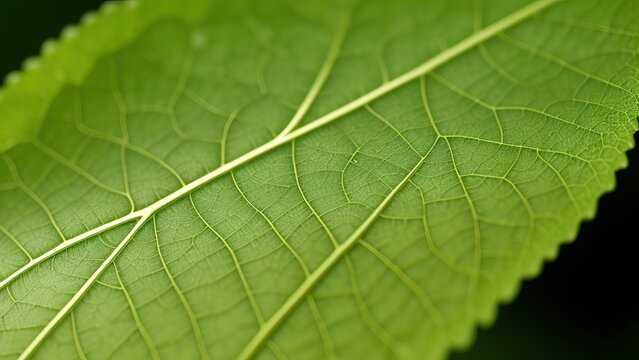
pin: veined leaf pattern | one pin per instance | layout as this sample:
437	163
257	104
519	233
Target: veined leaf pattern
312	179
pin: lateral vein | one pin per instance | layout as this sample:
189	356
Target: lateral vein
316	276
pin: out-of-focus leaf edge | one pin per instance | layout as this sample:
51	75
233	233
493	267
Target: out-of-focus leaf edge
485	317
26	94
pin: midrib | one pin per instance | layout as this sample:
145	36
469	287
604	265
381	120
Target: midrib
144	214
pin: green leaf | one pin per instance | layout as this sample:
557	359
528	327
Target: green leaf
316	179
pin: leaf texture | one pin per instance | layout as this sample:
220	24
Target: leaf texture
283	179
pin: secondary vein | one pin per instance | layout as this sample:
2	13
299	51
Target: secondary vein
316	276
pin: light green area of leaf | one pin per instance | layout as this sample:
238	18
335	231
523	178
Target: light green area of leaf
302	180
27	95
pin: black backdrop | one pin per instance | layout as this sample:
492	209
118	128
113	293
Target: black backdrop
581	307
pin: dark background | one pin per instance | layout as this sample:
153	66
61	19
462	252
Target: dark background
581	307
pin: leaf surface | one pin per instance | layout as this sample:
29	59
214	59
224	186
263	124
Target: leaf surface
239	179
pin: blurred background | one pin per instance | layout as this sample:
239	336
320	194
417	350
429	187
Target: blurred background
583	306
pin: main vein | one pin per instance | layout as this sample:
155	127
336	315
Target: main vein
423	69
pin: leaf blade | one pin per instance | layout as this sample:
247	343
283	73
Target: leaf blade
563	166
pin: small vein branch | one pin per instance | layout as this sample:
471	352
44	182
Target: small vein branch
322	75
67	244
